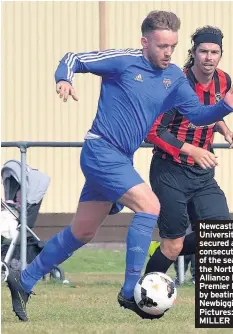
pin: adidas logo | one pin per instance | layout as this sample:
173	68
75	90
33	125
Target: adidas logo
136	249
138	78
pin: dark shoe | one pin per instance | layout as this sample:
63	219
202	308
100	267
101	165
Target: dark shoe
18	295
131	305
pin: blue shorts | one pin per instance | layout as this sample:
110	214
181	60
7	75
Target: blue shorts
109	173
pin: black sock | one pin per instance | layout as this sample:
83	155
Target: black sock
158	262
189	246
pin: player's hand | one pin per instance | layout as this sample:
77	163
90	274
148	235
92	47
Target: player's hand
64	89
229	138
203	158
229	97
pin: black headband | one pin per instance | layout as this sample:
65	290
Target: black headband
208	38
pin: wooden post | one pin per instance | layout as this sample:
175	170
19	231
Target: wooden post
102	25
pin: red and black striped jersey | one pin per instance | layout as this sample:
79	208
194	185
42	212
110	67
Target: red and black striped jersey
171	129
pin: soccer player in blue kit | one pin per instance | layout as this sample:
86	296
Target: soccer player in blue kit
137	86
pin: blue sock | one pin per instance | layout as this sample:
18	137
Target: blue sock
56	251
138	242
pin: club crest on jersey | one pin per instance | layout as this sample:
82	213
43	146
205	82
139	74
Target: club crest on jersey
218	97
167	83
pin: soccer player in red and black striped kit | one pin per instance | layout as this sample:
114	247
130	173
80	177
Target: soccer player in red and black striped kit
182	167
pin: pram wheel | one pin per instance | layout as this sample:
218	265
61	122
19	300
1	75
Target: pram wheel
4	272
57	274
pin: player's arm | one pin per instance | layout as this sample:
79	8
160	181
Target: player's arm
160	136
184	98
101	63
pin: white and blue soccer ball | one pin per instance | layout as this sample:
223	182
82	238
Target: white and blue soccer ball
155	293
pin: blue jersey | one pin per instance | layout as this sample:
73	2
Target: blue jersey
134	93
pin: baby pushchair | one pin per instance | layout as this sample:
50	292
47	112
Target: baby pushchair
36	186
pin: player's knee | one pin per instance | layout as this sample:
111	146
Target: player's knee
156	207
85	236
171	248
141	199
151	205
84	232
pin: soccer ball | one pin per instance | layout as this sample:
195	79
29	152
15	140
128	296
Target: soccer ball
155	293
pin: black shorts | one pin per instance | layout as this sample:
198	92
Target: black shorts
186	194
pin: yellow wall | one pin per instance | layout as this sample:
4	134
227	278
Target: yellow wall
36	35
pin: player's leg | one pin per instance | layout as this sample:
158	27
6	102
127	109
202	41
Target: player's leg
209	203
92	210
60	247
119	182
169	183
201	208
86	221
145	204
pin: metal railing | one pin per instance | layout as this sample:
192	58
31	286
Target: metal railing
23	146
